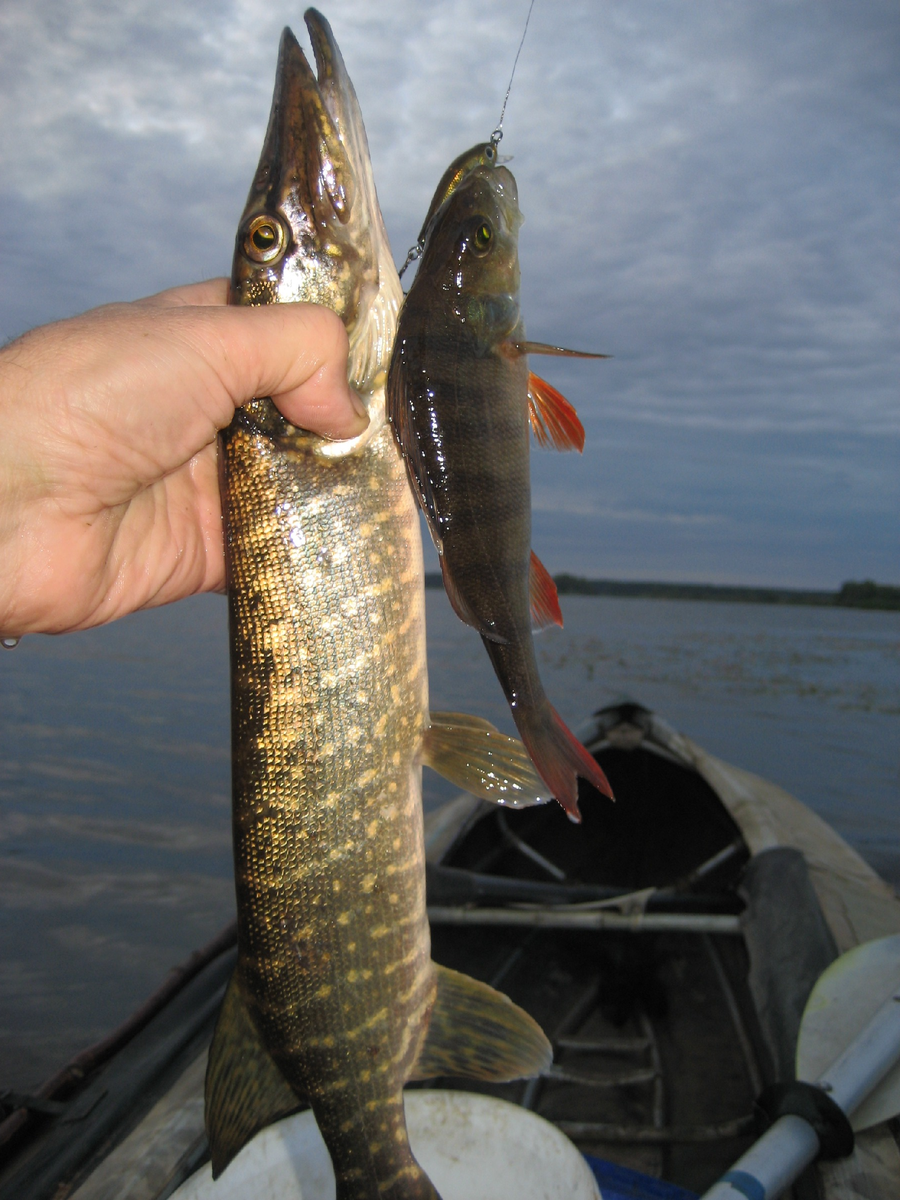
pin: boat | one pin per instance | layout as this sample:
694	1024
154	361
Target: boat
667	946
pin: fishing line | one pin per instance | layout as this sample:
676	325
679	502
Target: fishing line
498	132
415	252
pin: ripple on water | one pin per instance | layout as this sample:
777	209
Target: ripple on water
114	786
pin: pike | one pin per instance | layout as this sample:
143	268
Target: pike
460	400
335	1001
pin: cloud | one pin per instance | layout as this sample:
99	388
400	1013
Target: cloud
711	193
562	500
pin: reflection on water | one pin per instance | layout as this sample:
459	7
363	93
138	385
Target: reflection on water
114	780
115	853
809	698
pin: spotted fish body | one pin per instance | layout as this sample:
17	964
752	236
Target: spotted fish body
335	992
328	847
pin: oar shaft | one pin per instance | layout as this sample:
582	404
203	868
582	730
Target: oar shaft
557	916
774	1162
866	1060
771	1164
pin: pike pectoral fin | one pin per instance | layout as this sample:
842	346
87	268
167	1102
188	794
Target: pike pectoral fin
554	422
545	610
560	351
245	1091
476	1032
480	759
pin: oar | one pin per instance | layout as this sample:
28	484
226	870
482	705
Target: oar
849	1049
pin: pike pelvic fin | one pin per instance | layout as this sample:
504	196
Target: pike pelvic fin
478	758
545	610
559	757
554	422
476	1032
245	1091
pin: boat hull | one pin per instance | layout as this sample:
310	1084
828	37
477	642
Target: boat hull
651	943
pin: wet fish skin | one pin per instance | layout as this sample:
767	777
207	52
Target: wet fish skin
327	646
335	996
483	154
458	395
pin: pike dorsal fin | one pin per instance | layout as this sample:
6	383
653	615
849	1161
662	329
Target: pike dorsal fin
478	758
245	1091
476	1032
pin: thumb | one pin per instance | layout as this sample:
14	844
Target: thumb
295	353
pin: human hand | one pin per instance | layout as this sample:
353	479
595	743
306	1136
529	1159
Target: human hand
109	496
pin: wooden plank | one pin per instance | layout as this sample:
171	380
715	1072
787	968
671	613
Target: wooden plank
141	1167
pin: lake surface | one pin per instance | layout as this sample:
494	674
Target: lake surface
115	857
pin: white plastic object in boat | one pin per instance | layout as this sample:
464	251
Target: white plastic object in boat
472	1147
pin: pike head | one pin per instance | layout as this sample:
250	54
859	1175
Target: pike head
312	228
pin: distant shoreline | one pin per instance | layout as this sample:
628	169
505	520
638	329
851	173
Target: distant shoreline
865	594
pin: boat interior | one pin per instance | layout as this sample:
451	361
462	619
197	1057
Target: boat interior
657	1053
628	937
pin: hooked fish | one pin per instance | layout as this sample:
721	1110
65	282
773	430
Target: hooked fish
483	154
460	400
335	1001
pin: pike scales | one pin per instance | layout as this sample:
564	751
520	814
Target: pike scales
335	1000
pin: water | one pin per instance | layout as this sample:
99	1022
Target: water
114	784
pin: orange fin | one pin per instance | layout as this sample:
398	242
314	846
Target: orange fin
545	610
554	422
561	351
559	757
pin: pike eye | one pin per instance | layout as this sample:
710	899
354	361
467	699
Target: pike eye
489	152
482	238
264	240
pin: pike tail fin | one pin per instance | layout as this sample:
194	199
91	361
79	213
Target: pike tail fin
559	757
478	758
245	1091
476	1032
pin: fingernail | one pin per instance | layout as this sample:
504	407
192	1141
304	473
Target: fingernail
358	407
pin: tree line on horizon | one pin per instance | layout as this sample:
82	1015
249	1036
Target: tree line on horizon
864	593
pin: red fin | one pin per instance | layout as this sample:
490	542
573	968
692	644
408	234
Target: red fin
545	608
554	422
559	758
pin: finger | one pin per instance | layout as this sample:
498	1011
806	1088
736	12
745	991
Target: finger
295	353
209	291
318	402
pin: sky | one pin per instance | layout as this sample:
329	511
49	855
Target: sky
711	195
